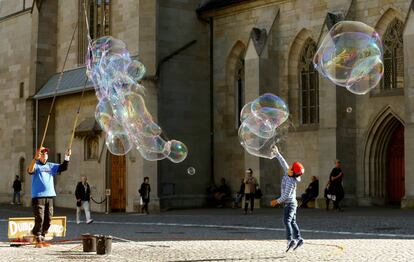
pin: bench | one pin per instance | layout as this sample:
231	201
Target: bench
311	204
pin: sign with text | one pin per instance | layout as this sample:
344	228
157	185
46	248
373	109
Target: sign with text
20	227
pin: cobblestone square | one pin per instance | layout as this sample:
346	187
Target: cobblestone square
357	234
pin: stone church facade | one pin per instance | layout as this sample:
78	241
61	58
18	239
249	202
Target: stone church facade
205	60
268	46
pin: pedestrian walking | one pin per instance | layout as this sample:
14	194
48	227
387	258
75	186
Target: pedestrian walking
249	190
144	192
83	198
335	185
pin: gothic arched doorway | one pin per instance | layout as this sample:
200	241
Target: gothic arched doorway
384	159
395	166
116	181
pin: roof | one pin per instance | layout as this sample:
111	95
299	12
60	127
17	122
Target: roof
207	5
73	81
89	126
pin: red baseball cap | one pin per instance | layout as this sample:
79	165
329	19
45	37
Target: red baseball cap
44	150
298	168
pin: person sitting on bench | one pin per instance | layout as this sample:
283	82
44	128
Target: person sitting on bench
311	192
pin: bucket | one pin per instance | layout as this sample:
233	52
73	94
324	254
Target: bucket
89	243
103	245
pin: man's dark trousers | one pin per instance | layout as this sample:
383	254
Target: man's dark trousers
43	212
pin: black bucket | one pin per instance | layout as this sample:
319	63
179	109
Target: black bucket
103	245
89	243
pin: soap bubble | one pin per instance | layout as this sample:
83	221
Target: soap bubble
191	171
121	111
178	151
350	55
272	106
261	120
118	143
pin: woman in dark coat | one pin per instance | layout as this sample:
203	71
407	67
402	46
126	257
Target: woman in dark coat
144	192
335	187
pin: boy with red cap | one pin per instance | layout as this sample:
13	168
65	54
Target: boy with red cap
290	178
43	191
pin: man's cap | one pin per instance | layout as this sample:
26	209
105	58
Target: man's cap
44	150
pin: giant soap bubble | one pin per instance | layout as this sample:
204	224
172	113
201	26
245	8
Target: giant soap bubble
261	120
121	110
350	55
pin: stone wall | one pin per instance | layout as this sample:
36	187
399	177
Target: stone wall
67	19
183	101
15	109
125	18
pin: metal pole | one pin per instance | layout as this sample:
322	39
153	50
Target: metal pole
107	205
37	123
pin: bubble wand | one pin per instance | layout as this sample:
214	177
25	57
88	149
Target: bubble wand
86	80
57	86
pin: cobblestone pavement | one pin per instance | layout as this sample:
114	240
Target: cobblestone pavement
358	234
219	250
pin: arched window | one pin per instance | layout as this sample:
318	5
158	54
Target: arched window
393	56
239	90
91	147
99	12
309	85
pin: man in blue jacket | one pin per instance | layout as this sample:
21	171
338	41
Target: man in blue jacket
43	191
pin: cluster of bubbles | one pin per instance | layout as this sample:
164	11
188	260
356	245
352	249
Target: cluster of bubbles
261	124
350	55
121	110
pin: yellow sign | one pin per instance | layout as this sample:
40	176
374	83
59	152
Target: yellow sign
20	227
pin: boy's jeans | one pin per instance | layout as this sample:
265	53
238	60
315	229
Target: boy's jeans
289	219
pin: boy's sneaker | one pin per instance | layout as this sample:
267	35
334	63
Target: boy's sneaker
299	244
89	221
291	244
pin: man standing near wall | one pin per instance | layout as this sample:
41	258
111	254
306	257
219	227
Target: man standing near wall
43	191
335	187
17	187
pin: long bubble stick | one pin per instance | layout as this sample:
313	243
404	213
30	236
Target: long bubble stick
86	81
57	86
